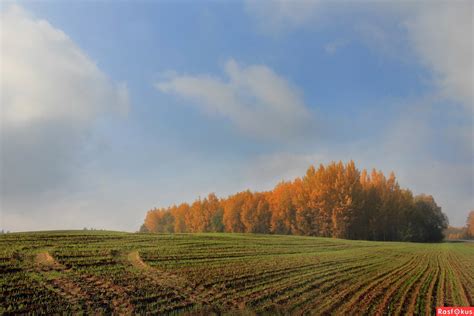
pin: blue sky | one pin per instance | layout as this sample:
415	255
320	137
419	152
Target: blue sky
112	108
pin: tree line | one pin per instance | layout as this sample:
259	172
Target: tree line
334	200
465	232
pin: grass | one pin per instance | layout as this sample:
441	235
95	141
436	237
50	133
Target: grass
113	272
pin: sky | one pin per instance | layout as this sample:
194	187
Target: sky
109	109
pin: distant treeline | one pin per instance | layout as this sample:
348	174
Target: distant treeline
466	232
336	200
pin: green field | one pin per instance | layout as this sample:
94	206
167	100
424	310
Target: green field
122	273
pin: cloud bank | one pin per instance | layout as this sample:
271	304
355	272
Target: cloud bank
52	93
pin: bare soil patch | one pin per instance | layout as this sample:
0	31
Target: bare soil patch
45	262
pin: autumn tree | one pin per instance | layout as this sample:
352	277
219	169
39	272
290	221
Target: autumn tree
216	212
306	214
255	213
283	209
323	195
264	215
455	233
179	213
248	212
159	220
348	201
151	220
232	209
470	225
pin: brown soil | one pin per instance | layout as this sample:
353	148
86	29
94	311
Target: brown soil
120	301
71	292
79	295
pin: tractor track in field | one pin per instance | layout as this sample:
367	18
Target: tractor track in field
72	293
161	277
82	290
198	295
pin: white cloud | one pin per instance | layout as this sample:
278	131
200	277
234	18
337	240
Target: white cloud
51	94
46	76
442	34
256	99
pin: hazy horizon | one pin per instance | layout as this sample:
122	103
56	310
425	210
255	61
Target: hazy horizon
111	109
